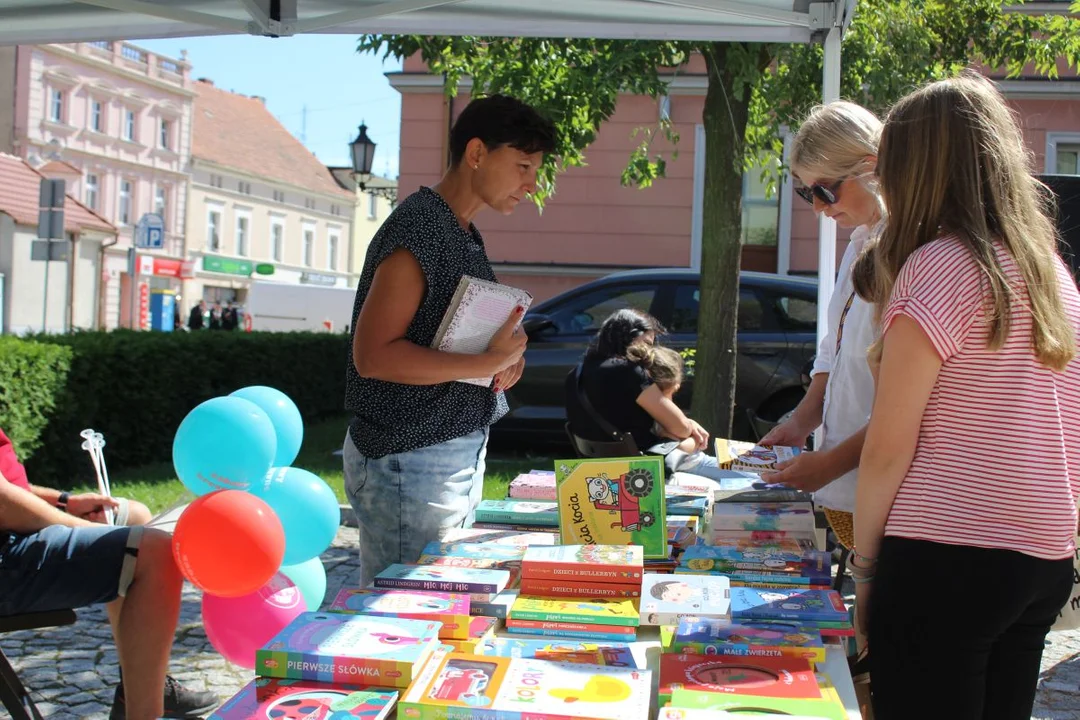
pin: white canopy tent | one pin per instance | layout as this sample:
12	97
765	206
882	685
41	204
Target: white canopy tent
784	21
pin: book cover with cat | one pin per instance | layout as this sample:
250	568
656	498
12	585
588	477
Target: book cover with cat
613	501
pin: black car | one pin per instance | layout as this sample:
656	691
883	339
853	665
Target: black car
777	325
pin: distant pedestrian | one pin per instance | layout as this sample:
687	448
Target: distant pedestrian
229	319
215	317
195	319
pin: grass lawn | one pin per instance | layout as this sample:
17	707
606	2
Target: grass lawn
157	487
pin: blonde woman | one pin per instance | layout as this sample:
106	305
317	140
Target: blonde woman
833	156
966	502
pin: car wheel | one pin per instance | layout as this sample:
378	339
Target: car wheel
639	483
647	519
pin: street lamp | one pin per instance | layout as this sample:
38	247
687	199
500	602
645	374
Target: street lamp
362	150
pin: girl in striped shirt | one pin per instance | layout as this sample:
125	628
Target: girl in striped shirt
968	481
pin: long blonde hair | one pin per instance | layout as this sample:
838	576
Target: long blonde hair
834	141
952	161
664	365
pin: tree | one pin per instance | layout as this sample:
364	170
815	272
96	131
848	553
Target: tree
753	89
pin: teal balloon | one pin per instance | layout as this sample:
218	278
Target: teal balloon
226	443
310	578
288	425
308	510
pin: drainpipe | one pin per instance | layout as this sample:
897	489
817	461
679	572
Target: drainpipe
69	322
101	282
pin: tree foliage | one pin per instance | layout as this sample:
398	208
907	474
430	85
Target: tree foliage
754	89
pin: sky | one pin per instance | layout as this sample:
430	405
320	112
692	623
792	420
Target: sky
323	73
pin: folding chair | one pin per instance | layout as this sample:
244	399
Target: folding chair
13	694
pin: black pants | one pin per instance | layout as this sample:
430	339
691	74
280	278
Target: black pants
957	632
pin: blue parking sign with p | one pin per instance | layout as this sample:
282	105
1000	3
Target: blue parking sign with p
150	232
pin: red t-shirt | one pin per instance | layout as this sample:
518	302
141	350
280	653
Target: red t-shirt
10	467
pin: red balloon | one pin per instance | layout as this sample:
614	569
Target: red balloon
228	543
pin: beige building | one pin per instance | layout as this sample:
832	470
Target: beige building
261	208
373	205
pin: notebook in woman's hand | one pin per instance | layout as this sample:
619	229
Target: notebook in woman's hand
476	312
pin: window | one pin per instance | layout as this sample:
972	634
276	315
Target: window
1068	159
309	245
684	314
129	125
56	106
97	116
279	196
332	251
585	313
124	214
244	188
797	313
277	241
242	222
309	203
165	132
161	202
213	230
216	181
91	196
761	212
372	207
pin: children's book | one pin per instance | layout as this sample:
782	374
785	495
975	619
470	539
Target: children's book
806	564
497	607
475	550
750	457
518	512
454	536
533	486
517	527
804	538
302	700
564	630
665	599
765	676
813	606
686	504
601	612
349	649
828	707
475	686
590	653
442	578
468	562
710	637
480	630
475	313
674	713
764	516
618	501
621	631
450	609
618	564
540	587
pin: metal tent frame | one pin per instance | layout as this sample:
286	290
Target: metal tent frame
787	21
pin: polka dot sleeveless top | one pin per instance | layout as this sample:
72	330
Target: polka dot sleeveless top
393	418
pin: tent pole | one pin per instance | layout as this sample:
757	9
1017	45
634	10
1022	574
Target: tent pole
830	91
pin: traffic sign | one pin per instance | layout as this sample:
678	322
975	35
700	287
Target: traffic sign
150	232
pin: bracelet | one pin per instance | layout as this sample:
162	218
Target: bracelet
861	579
868	560
62	501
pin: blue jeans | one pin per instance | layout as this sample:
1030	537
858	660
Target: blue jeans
404	500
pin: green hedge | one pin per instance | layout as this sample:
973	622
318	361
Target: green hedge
136	387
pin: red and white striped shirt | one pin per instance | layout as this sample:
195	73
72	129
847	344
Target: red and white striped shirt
998	457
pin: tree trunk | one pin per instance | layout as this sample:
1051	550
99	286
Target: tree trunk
725	118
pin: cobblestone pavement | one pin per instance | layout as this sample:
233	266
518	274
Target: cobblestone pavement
72	671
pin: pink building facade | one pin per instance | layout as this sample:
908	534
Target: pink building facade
122	117
594	226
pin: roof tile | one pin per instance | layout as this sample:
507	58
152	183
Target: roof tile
20	188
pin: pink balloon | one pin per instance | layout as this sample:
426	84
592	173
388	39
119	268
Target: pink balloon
238	626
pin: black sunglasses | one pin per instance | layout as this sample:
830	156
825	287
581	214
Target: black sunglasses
824	193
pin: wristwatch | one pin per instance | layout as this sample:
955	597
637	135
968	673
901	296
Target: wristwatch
62	501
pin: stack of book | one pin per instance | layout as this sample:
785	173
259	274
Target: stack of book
519	515
666	599
589	653
701	636
582	619
820	610
473	555
754	563
582	571
761	520
533	485
482	585
455	536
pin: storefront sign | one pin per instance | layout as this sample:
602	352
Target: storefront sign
264	269
227	266
165	267
187	269
144	306
312	278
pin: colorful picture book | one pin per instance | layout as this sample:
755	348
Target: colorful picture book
665	599
497	607
483	551
828	707
533	485
481	630
442	579
301	700
710	637
602	612
763	516
452	536
619	564
761	676
618	501
349	649
474	686
449	609
541	587
577	631
687	504
805	538
518	512
763	561
750	457
589	653
813	606
467	562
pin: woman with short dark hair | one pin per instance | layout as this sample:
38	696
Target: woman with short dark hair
414	453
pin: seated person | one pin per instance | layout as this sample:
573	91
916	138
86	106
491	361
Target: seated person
54	560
